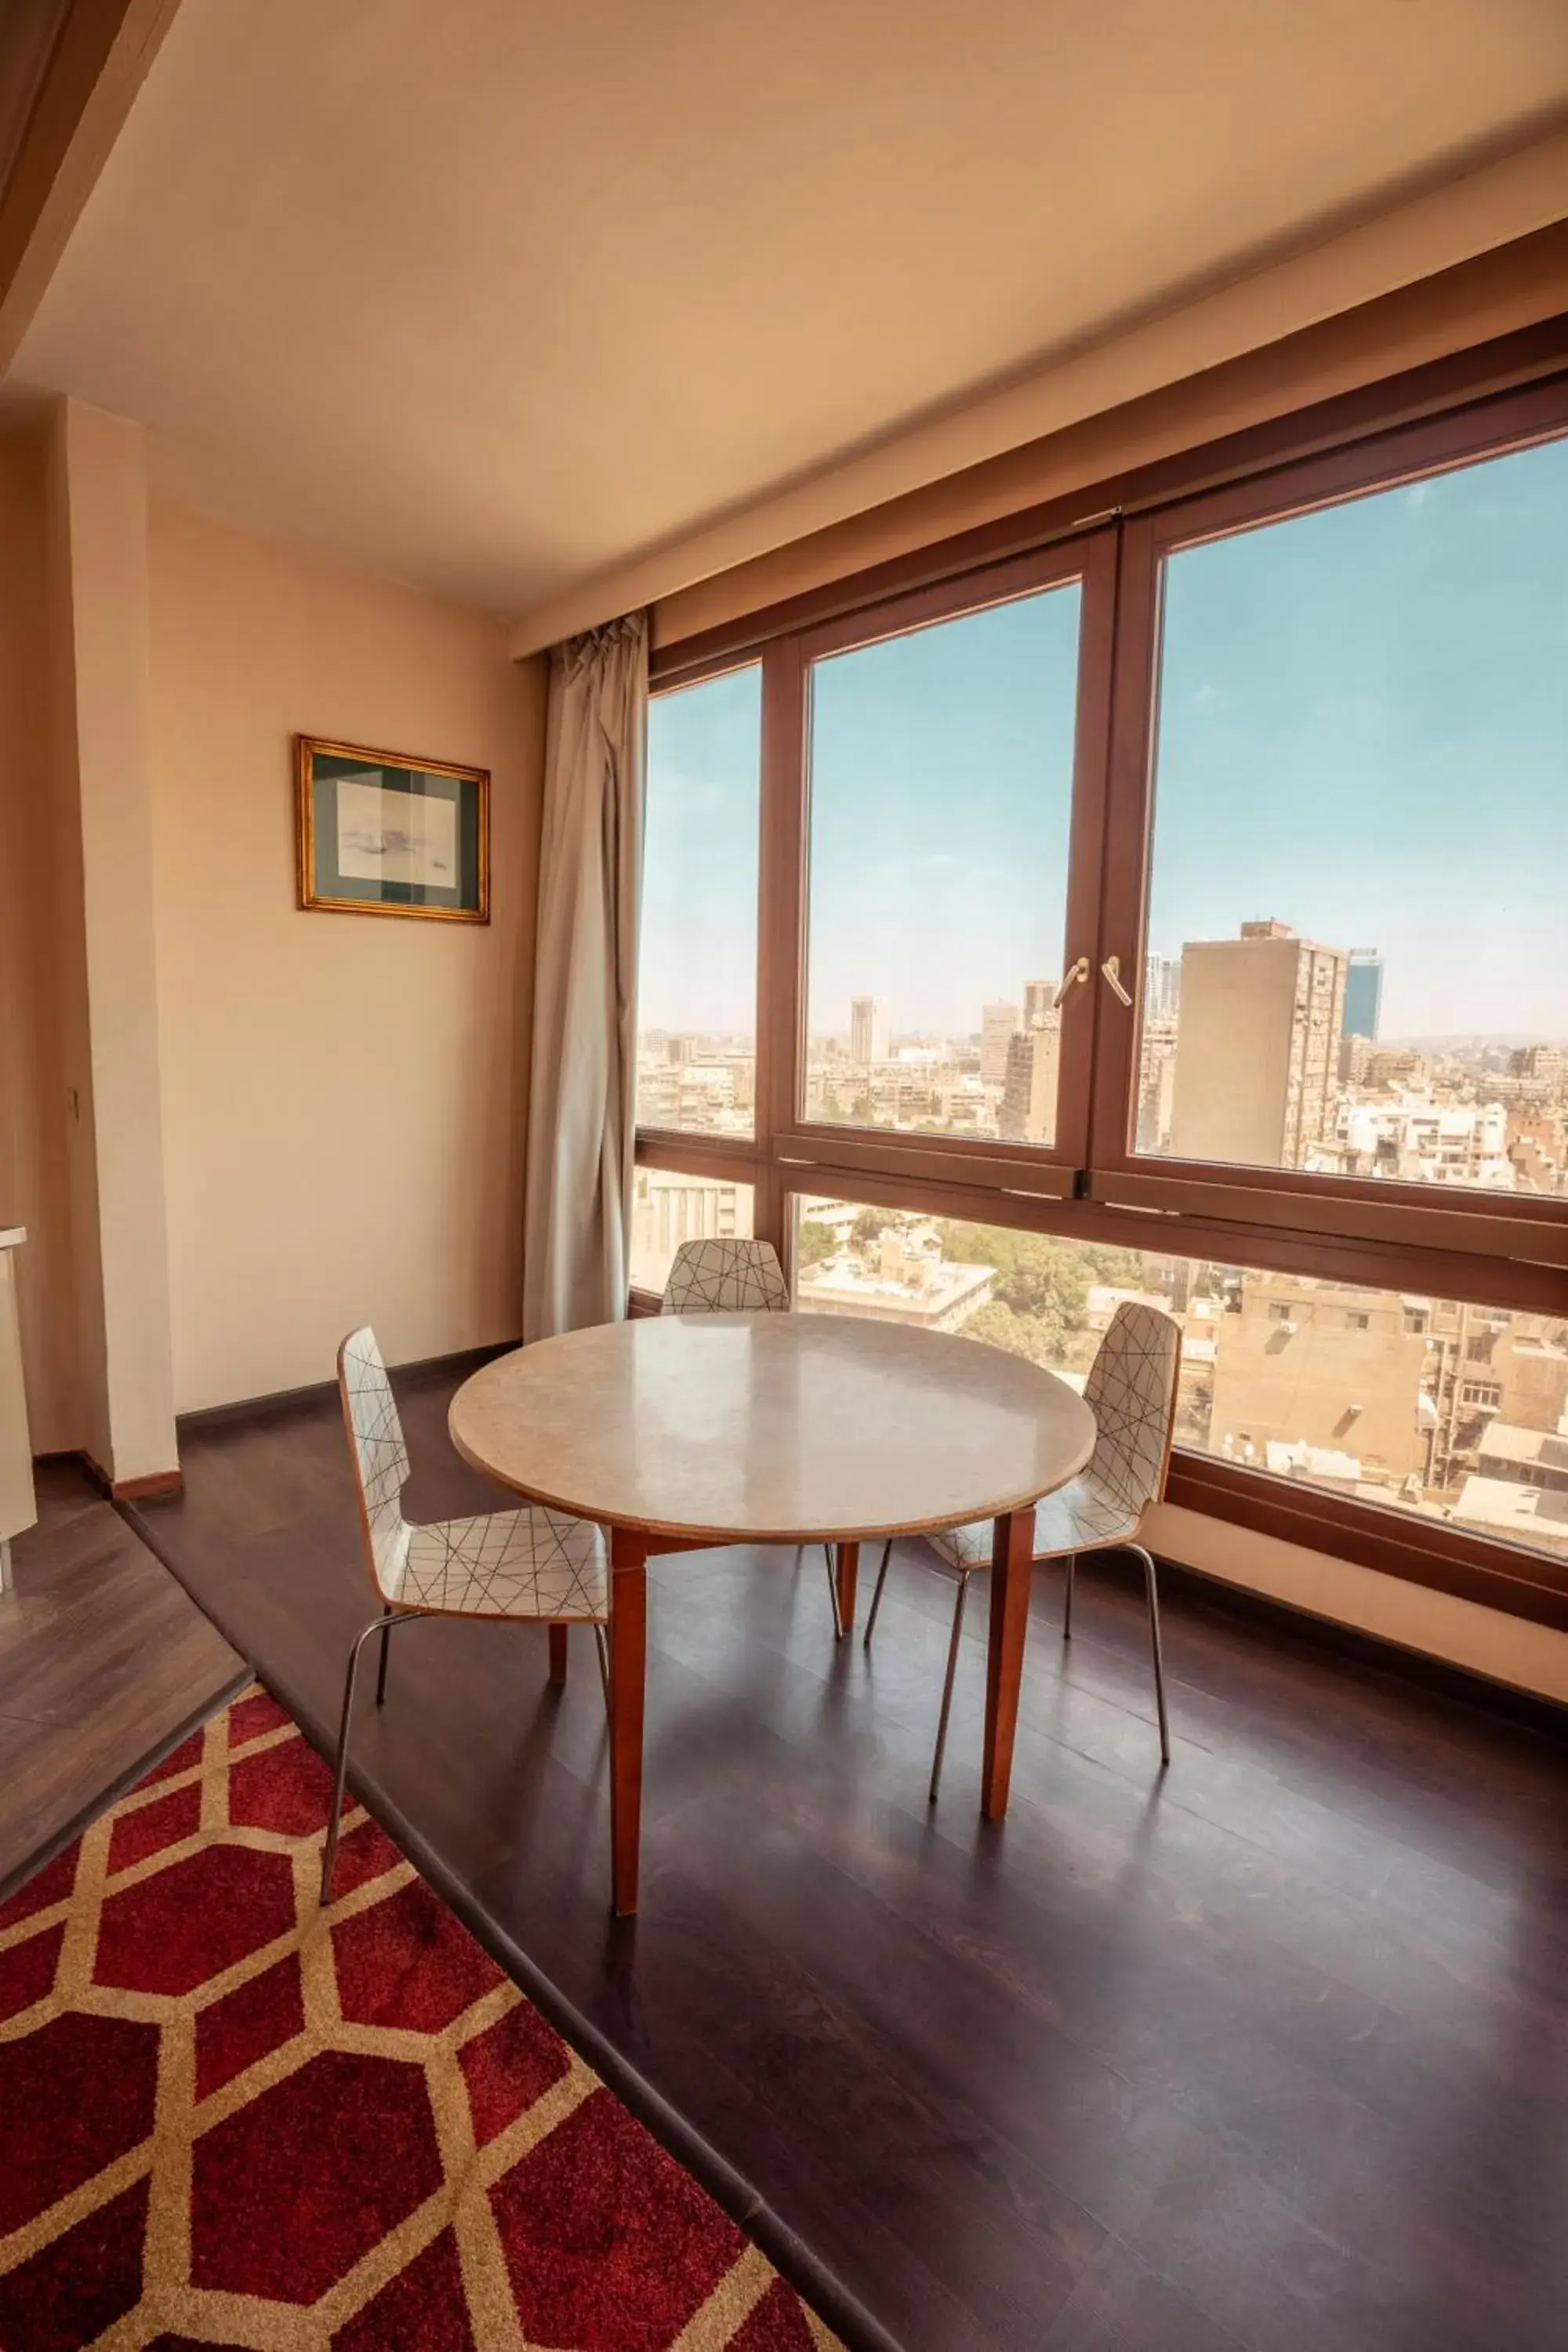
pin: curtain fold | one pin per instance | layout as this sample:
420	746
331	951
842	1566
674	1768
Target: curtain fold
577	1204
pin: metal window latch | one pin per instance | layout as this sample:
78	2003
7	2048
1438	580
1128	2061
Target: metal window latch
1111	968
1080	971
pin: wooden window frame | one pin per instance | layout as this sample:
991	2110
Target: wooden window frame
1510	1225
1503	1252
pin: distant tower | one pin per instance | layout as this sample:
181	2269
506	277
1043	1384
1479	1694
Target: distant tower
998	1023
1039	1002
1162	988
1363	992
869	1029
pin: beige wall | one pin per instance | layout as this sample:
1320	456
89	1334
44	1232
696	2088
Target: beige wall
32	1080
1506	1649
344	1097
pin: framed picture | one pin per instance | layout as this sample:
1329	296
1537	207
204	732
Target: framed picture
383	835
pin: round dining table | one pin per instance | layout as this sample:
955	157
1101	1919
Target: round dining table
680	1433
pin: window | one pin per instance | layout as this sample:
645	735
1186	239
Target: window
669	1209
941	810
697	974
1357	965
1357	1404
1190	883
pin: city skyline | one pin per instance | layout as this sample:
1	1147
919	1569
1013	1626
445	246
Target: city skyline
1369	660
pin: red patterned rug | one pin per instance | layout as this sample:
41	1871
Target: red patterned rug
229	2118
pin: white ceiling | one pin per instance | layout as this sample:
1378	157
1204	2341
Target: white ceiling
494	295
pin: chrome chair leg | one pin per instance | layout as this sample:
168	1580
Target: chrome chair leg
1147	1559
947	1686
833	1588
1067	1610
877	1596
602	1648
382	1625
380	1670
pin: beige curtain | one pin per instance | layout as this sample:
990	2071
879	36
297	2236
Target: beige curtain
580	1131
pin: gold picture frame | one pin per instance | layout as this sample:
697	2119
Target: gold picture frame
378	832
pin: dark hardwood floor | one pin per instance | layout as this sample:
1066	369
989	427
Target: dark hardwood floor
103	1658
1270	2052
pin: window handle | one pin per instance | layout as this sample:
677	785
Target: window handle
1080	971
1111	968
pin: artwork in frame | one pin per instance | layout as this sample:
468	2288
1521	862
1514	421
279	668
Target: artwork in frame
380	834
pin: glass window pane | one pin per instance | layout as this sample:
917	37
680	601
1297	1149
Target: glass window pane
1452	1413
1358	959
668	1209
940	802
697	966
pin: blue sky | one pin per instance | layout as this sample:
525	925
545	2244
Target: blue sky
1363	731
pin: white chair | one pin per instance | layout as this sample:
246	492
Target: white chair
1131	1392
733	1275
726	1277
530	1564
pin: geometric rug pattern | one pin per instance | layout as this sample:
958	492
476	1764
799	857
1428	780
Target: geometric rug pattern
228	2117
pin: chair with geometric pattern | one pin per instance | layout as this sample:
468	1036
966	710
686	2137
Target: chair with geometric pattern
1131	1392
531	1565
734	1276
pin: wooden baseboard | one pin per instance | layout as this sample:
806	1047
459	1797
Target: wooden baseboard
117	1490
421	1371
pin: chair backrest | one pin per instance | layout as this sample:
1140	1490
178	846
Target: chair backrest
716	1277
1131	1392
380	1457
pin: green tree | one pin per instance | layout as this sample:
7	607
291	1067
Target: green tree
1039	1281
869	1226
814	1241
1021	1334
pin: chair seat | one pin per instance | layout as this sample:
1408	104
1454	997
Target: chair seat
1079	1516
531	1563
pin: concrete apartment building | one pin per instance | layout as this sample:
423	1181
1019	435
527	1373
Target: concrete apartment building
668	1209
1256	1075
1319	1362
998	1025
1029	1113
901	1283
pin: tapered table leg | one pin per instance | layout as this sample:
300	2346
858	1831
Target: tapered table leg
558	1653
848	1572
1011	1560
628	1668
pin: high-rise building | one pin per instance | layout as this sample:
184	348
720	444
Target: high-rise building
1040	1003
869	1029
1156	1084
1162	988
1029	1113
998	1023
1363	992
1256	1076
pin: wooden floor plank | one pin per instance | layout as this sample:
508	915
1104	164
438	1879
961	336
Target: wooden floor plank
102	1658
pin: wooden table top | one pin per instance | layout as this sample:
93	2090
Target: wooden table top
771	1428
